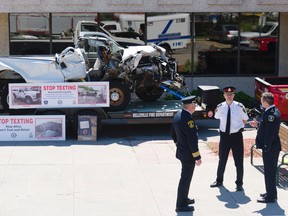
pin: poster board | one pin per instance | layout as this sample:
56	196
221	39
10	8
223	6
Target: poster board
87	128
33	128
58	95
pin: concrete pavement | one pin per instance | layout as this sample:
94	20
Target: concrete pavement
129	171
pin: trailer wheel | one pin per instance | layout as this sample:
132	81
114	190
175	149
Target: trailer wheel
119	96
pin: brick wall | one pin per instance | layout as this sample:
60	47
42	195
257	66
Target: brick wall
284	137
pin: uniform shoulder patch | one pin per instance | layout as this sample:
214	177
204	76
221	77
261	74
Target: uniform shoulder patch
190	124
219	105
242	107
240	104
272	110
271	118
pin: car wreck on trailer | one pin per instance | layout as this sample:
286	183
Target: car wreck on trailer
144	70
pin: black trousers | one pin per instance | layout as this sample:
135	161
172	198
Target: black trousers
270	160
235	143
184	183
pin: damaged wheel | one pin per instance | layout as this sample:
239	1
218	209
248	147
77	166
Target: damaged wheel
151	94
119	96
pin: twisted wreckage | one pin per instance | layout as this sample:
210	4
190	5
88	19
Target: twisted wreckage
144	70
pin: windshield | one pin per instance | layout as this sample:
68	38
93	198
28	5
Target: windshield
265	29
90	44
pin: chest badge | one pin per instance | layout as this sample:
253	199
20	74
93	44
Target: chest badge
271	118
191	124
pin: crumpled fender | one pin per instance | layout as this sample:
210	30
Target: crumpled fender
45	69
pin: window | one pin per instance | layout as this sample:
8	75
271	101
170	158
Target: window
233	44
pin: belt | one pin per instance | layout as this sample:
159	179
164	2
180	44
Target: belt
239	131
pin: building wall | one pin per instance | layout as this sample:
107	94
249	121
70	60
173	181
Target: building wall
17	6
4	34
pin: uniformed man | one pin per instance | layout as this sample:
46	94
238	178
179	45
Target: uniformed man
184	133
233	118
268	140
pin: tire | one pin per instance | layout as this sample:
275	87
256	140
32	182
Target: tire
5	98
28	100
152	94
119	96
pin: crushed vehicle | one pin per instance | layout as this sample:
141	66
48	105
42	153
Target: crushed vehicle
145	70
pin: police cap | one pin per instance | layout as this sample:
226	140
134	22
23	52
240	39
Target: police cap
229	89
189	99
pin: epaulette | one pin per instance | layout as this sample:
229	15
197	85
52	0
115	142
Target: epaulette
218	107
242	107
272	110
240	104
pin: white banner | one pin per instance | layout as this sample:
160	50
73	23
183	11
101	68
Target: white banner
58	95
32	128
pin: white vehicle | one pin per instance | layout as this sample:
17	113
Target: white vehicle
84	28
28	95
270	28
111	26
170	31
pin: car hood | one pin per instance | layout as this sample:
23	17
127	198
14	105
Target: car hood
252	34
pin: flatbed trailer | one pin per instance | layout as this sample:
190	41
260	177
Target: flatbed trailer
137	112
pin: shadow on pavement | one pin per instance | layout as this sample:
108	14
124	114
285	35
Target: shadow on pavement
232	199
271	209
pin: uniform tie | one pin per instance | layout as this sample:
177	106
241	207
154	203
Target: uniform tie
228	121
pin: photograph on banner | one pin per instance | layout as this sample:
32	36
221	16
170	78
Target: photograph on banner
64	95
33	128
49	128
25	95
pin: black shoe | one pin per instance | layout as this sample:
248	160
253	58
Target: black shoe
184	209
239	188
216	184
266	200
263	194
190	201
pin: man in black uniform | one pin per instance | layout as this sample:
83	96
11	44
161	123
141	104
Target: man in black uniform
233	117
268	140
184	133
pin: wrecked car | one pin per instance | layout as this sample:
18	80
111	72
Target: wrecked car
140	69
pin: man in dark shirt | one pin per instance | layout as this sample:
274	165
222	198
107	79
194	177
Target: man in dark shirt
184	134
268	140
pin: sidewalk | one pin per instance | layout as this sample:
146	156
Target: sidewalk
129	174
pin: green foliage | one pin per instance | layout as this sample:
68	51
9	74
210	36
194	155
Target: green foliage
245	99
187	67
